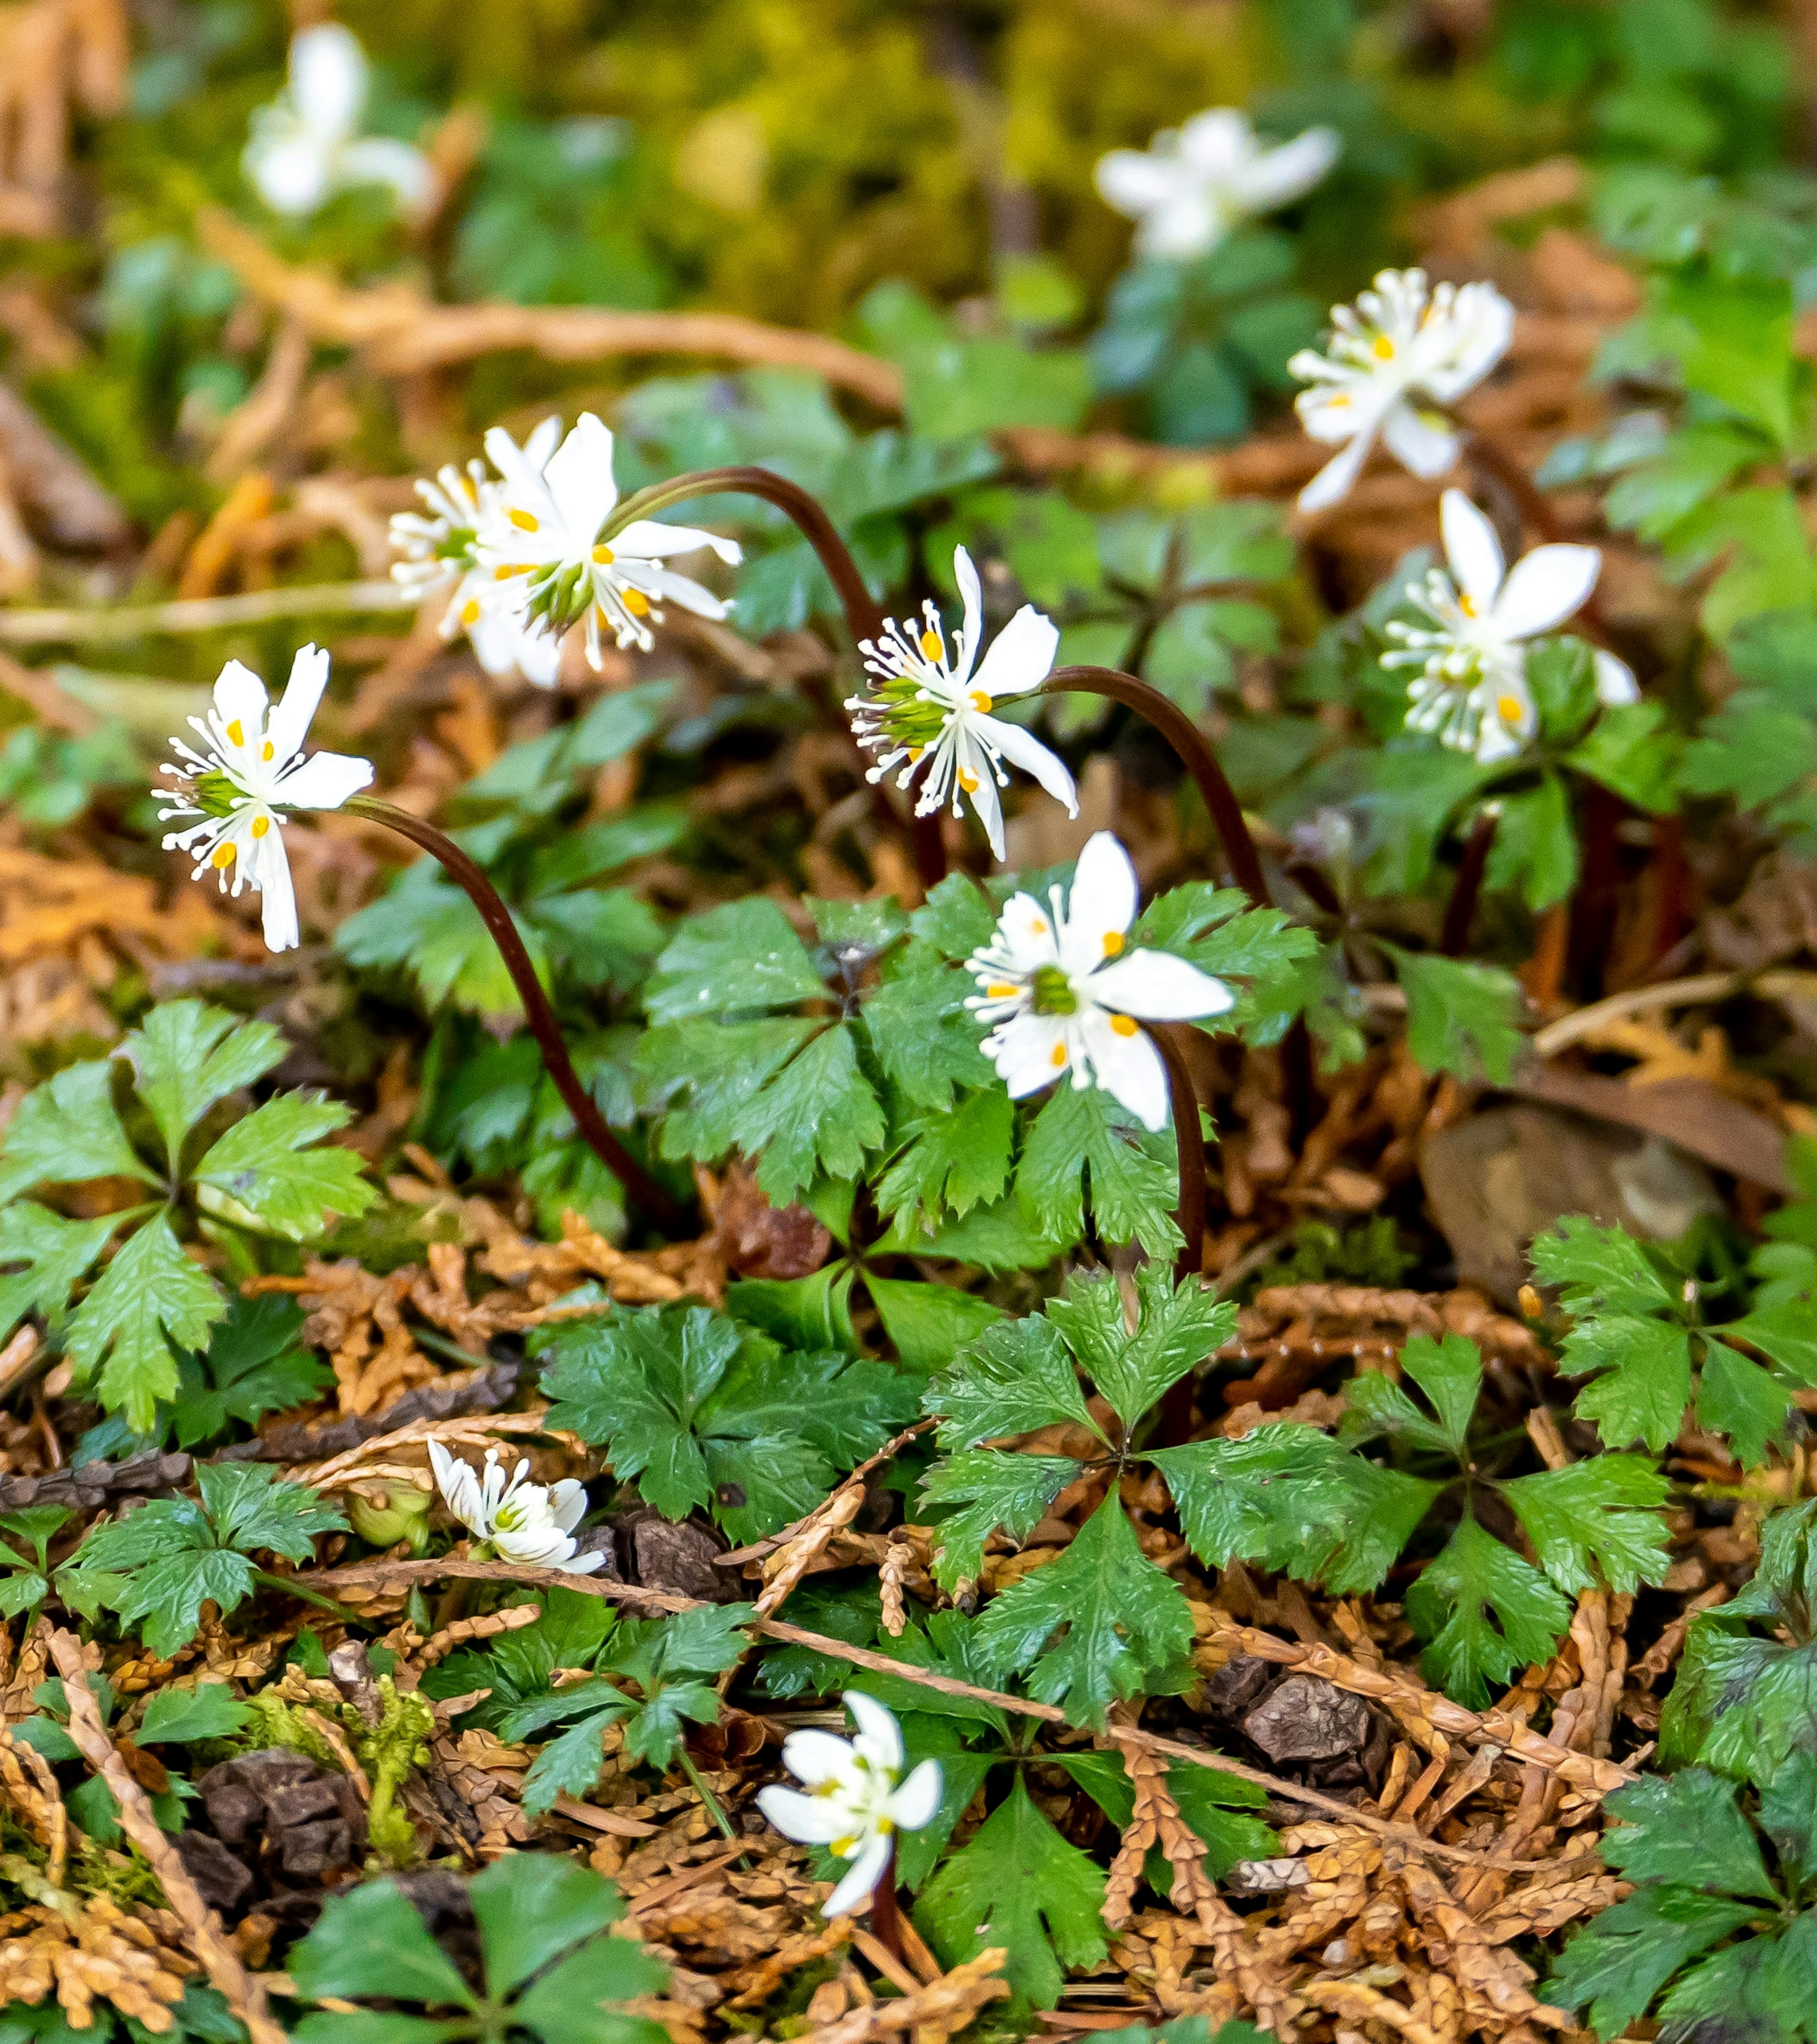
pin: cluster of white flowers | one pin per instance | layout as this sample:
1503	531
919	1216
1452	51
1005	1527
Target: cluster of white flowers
1193	184
249	772
530	1523
1470	686
307	146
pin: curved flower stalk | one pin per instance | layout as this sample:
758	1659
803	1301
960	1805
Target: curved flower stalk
930	705
1470	686
439	551
545	536
250	773
306	146
1193	184
530	1523
1403	349
856	1803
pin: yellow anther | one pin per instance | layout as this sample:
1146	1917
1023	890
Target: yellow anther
510	569
931	643
236	733
1112	943
604	556
223	856
260	825
1509	708
980	702
1002	990
969	782
1382	348
1039	928
470	612
637	603
267	750
1124	1025
1467	603
915	753
522	521
1059	1055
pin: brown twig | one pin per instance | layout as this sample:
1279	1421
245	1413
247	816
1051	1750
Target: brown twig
242	1993
496	916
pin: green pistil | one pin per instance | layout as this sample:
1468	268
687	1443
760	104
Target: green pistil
559	599
1053	993
458	545
215	794
908	717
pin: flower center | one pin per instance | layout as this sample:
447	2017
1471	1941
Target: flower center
905	716
1053	993
216	793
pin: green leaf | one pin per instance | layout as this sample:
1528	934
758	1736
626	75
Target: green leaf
928	1322
1630	750
50	1255
1486	1611
740	956
179	1717
1596	1521
1731	337
150	1299
1535	845
568	1764
717	1071
427	925
1735	1396
573	2003
1786	1334
819	1116
1460	1016
261	1165
1599	1267
1450	1374
1080	1138
66	1132
186	1056
1645	1379
1018	1884
993	1490
953	1160
956	918
925	1038
371	1941
1091	1624
1619	1962
1176	1327
1686	1830
1016	1377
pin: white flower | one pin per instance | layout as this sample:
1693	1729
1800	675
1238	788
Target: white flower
1192	184
930	710
1061	990
856	1801
543	526
1471	688
440	552
306	146
251	769
529	1523
1401	344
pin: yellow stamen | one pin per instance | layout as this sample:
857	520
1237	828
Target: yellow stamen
267	750
222	857
1001	990
931	643
470	612
522	521
510	569
604	556
637	603
969	782
980	702
236	733
915	752
1112	943
1059	1055
1341	402
260	825
1123	1024
1509	708
1038	927
1467	603
1382	348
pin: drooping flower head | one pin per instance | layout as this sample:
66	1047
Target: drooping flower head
1469	689
856	1800
1193	184
440	551
520	1521
1402	350
541	533
306	146
1062	992
250	771
929	708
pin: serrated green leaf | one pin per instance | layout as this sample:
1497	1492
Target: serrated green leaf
818	1116
1017	1883
1081	1138
712	1073
569	1763
1535	845
1485	1612
993	1490
263	1164
1686	1830
1599	1267
185	1057
1596	1521
50	1255
1016	1377
531	1907
429	926
928	1322
573	2002
1735	1396
741	956
956	918
1176	1327
1618	1962
1091	1624
1450	1374
925	1038
371	1941
178	1717
1645	1382
953	1161
1460	1016
66	1131
150	1300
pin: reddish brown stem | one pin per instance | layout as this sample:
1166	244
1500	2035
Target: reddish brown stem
1192	752
1594	904
541	1017
1460	911
886	1919
1175	1424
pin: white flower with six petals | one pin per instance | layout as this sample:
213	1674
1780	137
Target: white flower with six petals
1062	992
439	553
306	146
1401	345
251	770
1470	690
543	526
930	707
1192	184
856	1800
530	1523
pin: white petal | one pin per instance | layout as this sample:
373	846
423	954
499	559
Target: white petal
1616	684
582	1565
1217	144
810	1821
1102	904
1129	1069
1025	930
669	587
1475	335
1133	182
1544	589
814	1756
1188	223
296	707
1332	484
879	1736
1024	1055
860	1884
1425	446
1022	748
1280	175
328	79
325	781
971	628
239	697
1472	548
650	540
378	159
521	469
270	875
982	794
914	1803
1157	987
1508	720
545	437
579	478
567	1503
1021	655
289	169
